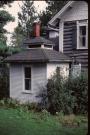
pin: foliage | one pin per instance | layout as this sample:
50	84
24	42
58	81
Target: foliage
71	120
8	50
5	17
4	81
58	99
69	96
3	49
13	50
25	21
9	103
79	89
4	71
17	36
4	2
14	103
27	16
23	123
52	8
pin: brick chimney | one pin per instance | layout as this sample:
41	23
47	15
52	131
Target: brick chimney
36	28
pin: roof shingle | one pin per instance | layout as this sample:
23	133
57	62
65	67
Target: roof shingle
38	40
38	55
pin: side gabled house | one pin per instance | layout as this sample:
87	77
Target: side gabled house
72	21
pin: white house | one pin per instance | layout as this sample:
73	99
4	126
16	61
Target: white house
72	21
31	68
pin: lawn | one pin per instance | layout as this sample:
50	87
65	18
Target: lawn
19	122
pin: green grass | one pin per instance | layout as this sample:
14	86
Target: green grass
19	122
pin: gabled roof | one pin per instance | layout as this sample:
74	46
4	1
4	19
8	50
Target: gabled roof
38	55
52	29
60	12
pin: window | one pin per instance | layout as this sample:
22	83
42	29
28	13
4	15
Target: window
27	78
82	34
35	46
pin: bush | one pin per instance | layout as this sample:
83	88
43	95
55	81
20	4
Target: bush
4	81
79	88
14	103
71	120
9	102
58	99
68	95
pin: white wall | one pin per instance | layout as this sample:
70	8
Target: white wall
17	82
40	74
53	34
39	79
79	11
51	68
61	36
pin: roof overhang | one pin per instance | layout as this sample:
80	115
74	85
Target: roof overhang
60	13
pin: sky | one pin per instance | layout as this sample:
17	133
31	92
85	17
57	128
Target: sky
14	9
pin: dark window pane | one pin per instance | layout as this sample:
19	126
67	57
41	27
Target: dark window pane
49	46
27	84
83	41
83	30
34	46
27	72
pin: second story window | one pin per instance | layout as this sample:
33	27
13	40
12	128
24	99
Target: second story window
82	35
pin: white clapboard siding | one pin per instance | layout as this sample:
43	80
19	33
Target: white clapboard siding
17	82
78	11
39	79
40	74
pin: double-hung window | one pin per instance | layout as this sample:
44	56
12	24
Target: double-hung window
82	34
27	78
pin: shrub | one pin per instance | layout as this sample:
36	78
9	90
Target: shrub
71	120
9	102
58	99
4	81
68	95
32	106
78	87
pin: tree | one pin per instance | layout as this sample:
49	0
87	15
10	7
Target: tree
17	36
4	2
25	21
52	8
5	17
27	16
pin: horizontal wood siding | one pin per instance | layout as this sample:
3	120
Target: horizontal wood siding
78	11
70	45
17	82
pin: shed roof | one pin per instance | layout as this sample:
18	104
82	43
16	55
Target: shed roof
38	55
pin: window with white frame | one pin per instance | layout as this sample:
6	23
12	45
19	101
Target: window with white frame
82	34
27	78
